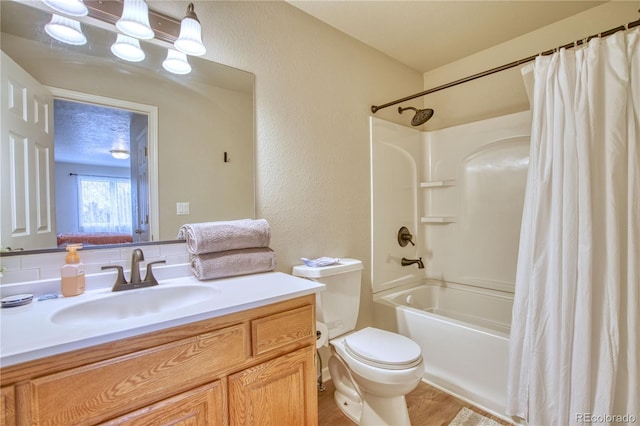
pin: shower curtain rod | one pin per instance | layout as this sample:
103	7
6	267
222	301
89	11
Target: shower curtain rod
375	108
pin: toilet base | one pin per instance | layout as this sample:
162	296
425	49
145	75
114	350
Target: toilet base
349	407
387	411
384	411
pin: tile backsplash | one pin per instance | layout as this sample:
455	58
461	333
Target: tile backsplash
46	266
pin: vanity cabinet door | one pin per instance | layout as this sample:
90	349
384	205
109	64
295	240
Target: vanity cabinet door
204	406
7	406
93	393
278	392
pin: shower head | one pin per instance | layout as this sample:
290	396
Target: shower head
421	117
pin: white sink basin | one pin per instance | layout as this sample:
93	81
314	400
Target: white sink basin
134	303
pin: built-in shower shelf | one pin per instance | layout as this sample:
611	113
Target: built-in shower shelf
438	219
438	183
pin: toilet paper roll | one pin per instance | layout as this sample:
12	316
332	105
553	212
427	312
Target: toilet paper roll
322	334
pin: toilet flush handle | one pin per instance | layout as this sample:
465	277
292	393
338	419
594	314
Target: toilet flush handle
405	237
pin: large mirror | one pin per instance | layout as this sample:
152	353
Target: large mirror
196	131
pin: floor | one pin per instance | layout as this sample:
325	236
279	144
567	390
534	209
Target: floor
428	406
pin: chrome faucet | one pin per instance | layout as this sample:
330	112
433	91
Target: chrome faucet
121	283
407	262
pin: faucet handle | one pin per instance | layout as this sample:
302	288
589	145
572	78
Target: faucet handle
405	237
120	279
149	275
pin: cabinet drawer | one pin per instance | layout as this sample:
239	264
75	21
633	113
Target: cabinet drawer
98	391
286	328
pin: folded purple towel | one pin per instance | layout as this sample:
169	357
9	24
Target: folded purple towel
209	266
212	237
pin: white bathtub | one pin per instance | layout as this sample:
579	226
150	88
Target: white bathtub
464	335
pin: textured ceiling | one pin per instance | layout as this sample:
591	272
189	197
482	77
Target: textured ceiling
90	132
428	34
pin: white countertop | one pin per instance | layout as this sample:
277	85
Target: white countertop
28	332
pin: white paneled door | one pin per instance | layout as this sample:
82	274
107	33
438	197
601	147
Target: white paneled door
27	161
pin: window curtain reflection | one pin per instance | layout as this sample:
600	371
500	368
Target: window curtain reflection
104	204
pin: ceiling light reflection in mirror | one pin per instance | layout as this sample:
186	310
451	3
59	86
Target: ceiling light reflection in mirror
65	30
127	48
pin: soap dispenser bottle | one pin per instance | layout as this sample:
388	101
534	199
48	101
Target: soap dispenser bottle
72	273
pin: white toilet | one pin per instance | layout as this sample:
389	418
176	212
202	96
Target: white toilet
371	369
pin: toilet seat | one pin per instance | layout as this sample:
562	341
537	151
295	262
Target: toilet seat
383	349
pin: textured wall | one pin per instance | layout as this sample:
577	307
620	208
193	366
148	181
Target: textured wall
504	93
314	88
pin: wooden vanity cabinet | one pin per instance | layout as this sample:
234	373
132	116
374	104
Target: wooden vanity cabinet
205	405
273	393
255	367
7	406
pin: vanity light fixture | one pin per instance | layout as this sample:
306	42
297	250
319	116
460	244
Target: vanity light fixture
176	62
68	7
190	39
127	48
66	30
119	154
135	20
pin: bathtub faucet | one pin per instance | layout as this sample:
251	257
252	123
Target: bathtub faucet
407	262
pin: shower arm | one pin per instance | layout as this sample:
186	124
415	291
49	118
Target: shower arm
376	108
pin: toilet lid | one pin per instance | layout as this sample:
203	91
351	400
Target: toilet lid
383	349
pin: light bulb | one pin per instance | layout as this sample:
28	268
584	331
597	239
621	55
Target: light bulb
66	30
135	20
190	39
68	7
127	48
176	62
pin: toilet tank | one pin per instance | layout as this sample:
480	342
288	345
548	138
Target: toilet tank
337	306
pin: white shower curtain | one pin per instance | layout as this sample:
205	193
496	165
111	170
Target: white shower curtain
574	355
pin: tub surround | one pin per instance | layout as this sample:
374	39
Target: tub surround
482	167
459	191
